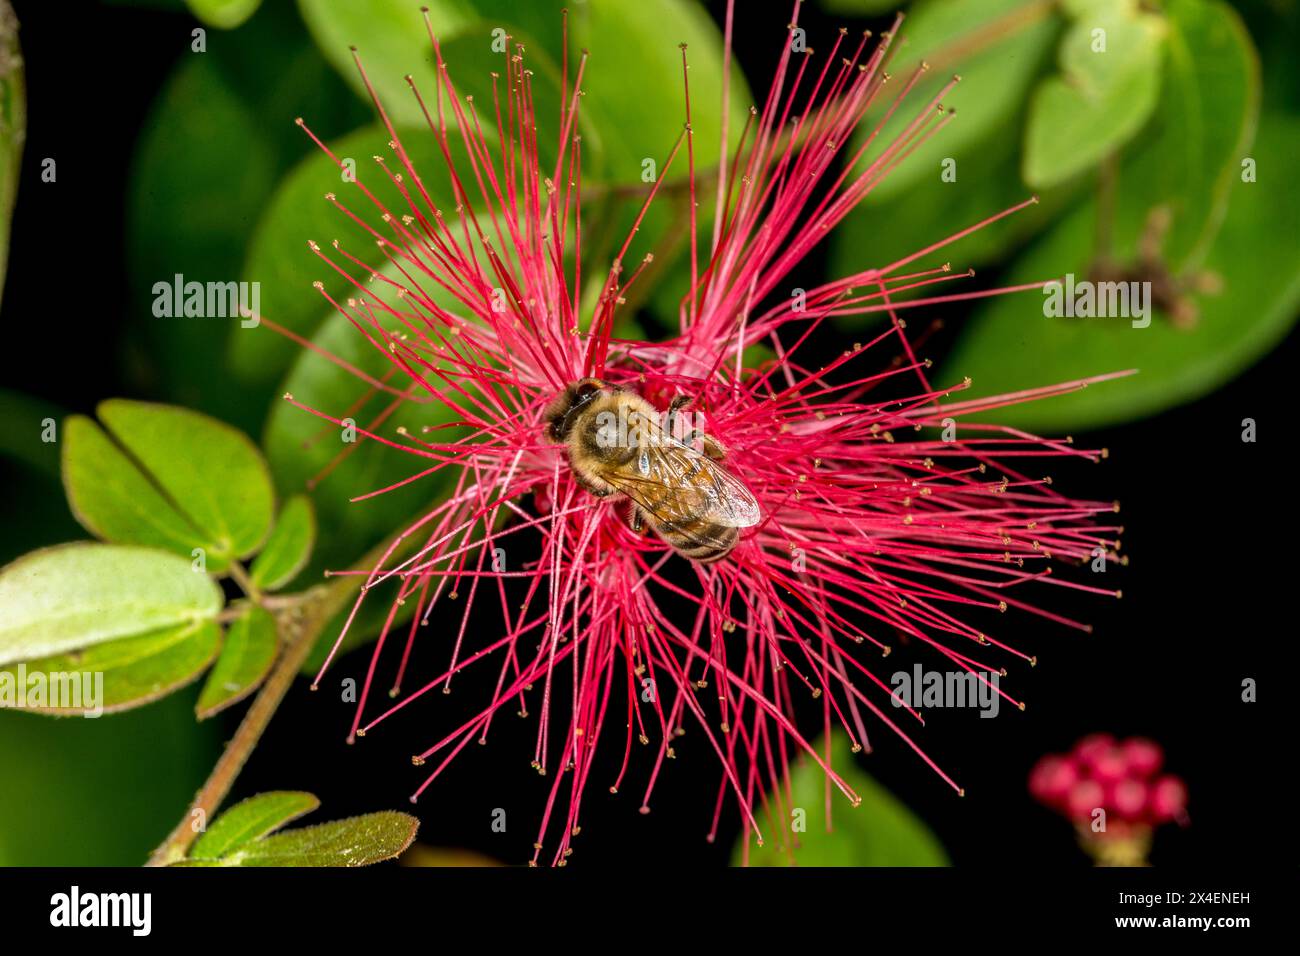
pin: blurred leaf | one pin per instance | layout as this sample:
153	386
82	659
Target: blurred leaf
246	657
136	670
289	547
1131	39
280	260
1069	133
356	841
73	596
23	420
997	47
881	831
913	207
212	472
211	166
251	820
98	792
223	14
13	125
218	166
988	181
1204	125
301	447
392	42
1010	345
1102	100
635	57
116	501
390	37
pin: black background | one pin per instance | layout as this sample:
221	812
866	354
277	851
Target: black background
1207	600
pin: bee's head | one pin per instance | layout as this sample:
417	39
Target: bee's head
561	414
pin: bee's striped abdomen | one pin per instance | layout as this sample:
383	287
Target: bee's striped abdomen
699	538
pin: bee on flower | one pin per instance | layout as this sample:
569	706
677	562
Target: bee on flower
728	530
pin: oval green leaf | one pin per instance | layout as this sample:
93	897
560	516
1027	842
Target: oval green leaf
212	472
134	670
115	500
247	654
288	549
300	446
356	841
1206	120
251	820
223	14
635	57
1011	345
74	596
1104	98
997	47
280	260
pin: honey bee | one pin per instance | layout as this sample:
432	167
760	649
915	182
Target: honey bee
620	446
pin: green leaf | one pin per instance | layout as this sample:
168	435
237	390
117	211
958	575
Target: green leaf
988	181
1107	92
223	14
289	547
1108	42
998	47
635	58
74	596
99	792
13	126
211	166
23	423
1069	133
301	446
251	820
356	841
136	670
1205	123
246	657
219	165
1011	346
116	501
212	472
392	41
881	831
279	258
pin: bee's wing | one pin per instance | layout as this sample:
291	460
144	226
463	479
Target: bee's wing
676	483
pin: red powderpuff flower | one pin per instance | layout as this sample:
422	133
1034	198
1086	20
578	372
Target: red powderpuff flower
1116	776
858	524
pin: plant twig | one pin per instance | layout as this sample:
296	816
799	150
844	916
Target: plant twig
300	618
299	627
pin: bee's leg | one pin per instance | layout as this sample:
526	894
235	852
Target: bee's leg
675	406
712	447
636	519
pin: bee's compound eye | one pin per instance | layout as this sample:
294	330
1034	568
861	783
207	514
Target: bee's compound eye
587	388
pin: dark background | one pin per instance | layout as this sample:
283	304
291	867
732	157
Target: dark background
1207	596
